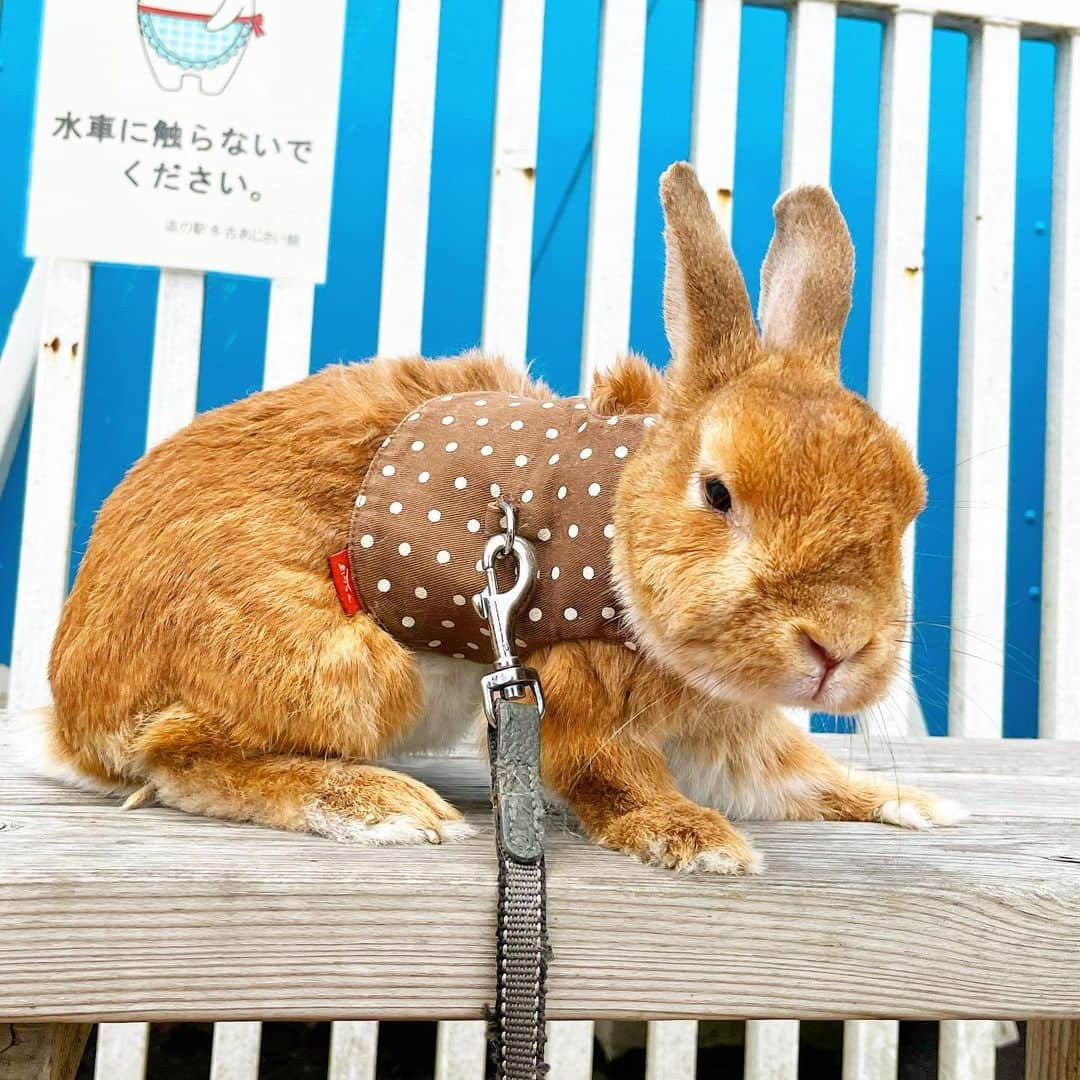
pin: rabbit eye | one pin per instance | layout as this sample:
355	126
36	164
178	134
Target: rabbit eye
717	495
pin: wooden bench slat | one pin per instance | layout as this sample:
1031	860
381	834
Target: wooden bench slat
871	1049
408	182
101	905
1059	690
508	264
609	271
235	1051
45	549
121	1051
966	1050
570	1049
288	333
460	1050
354	1050
671	1050
977	661
772	1050
808	93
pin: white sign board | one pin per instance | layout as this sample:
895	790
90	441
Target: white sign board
196	134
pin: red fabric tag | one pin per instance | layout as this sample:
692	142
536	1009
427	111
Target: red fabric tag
341	572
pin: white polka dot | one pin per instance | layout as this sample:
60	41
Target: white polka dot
570	614
367	540
552	433
608	612
451	447
459	656
609	531
388	470
480	402
527	495
588	573
424	477
621	451
404	549
472	525
513	404
447	420
594	489
418	445
582	427
395	508
496	491
486	451
408	622
561	493
548	405
649	421
420	592
385	443
521	461
434	515
434	644
485	631
479	567
543	534
579	404
572	532
585	453
517	425
553	459
461	483
360	500
459	600
555	572
520	643
443	557
482	421
471	645
448	624
383	585
447	397
535	614
612	421
412	417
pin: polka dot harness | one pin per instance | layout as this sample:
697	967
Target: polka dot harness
430	501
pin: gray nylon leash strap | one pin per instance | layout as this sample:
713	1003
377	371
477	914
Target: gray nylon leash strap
517	1024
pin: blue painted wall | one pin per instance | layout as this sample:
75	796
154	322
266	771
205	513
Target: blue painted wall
346	308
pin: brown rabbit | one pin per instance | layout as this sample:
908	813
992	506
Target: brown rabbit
204	655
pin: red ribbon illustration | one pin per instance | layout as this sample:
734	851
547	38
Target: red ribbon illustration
255	21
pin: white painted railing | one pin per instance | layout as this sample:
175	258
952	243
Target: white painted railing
51	331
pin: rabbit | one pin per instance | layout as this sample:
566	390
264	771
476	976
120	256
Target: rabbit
204	660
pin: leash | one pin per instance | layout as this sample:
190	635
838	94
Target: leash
516	1028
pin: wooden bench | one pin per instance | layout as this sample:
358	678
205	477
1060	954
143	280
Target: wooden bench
155	915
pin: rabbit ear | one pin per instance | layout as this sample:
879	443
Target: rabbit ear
806	277
707	315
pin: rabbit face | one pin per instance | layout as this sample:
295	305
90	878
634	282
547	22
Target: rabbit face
758	530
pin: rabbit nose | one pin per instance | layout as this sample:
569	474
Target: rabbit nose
828	659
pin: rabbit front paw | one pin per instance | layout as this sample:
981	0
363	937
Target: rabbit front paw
686	837
364	804
913	809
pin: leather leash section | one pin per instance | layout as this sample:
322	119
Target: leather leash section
516	1030
517	1027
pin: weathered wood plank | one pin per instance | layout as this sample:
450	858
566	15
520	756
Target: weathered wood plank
808	93
671	1050
41	1051
966	1050
871	1049
235	1051
772	1050
1053	1050
288	333
121	1051
354	1050
155	914
460	1050
174	372
570	1049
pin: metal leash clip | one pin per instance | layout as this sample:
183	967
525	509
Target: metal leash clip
510	680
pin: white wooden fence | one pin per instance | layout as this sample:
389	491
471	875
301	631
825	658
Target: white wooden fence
53	320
